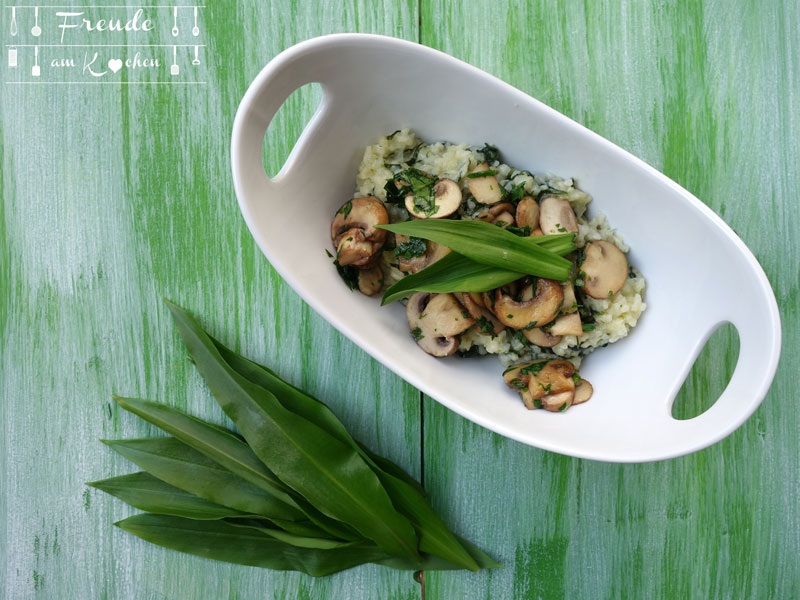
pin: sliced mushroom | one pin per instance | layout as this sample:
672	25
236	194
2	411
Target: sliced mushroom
354	231
539	308
414	264
504	219
549	383
605	269
558	402
354	250
473	303
360	213
492	214
370	281
567	325
528	213
583	391
519	382
570	302
540	337
446	197
486	189
557	216
435	321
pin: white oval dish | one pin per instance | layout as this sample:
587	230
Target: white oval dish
699	273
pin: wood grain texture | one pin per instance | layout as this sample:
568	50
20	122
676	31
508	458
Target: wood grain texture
113	197
707	93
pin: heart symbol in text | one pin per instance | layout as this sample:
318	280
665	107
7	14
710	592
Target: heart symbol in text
115	64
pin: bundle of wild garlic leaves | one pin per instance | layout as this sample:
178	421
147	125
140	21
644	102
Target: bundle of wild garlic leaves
294	491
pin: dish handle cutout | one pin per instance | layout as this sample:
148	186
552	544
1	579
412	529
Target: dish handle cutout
287	126
271	88
709	375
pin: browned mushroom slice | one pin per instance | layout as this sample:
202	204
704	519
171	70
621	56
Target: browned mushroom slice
541	338
414	264
446	197
583	391
538	309
519	382
558	402
557	216
485	189
549	383
485	320
353	249
492	215
528	213
567	325
605	268
570	303
360	213
370	281
435	321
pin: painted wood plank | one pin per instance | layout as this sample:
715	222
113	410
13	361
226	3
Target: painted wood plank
707	93
112	198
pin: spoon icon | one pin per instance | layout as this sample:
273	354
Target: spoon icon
36	31
13	21
195	29
174	21
196	60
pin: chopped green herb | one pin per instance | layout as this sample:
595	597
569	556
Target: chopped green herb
610	293
589	326
563	407
520	231
413	247
509	316
345	209
465	314
548	191
546	388
395	195
576	377
490	153
481	174
537	403
485	326
500	223
530	325
417	333
421	186
518	383
520	337
515	194
394	133
534	368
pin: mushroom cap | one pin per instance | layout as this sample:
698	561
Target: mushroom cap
491	214
605	268
486	189
446	197
360	213
540	308
527	213
504	219
557	216
414	264
539	337
370	281
438	319
583	391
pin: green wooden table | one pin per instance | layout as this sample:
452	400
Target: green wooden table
116	195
